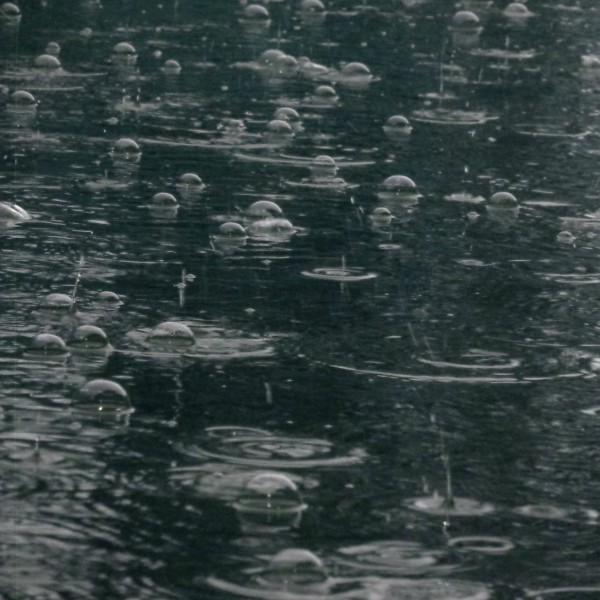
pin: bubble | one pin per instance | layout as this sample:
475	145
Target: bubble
323	166
271	228
291	116
52	48
270	499
399	185
285	66
12	212
324	96
263	209
171	67
397	126
22	100
312	70
356	69
465	21
294	567
381	216
48	344
86	32
172	333
312	6
503	200
57	302
517	10
565	237
124	54
163	200
10	12
109	298
103	396
270	56
191	180
89	337
256	12
232	230
279	128
126	149
47	62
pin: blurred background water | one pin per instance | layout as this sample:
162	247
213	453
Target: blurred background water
348	349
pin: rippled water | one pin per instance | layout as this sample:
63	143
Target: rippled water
348	349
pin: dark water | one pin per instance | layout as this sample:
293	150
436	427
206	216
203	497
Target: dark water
354	402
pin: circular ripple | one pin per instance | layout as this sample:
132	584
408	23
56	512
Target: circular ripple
481	543
335	274
462	507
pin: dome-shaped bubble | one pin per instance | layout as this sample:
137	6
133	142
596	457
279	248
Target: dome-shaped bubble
48	343
294	567
279	127
399	184
86	32
48	62
103	395
171	67
312	6
517	9
124	53
268	57
323	166
52	48
355	69
285	113
465	20
191	179
263	208
12	212
232	230
503	200
89	337
381	216
397	124
22	99
286	65
9	12
565	237
163	200
271	226
172	333
109	297
126	148
270	499
256	12
57	301
325	92
232	126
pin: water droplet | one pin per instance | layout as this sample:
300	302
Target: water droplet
172	334
103	396
89	337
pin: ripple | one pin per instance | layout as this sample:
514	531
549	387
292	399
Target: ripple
482	544
573	591
460	507
345	275
558	513
446	116
242	447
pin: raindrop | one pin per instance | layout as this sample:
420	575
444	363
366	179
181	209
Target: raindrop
172	334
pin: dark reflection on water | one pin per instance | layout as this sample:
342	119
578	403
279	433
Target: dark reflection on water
365	387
